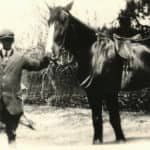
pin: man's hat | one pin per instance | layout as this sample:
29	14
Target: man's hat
6	34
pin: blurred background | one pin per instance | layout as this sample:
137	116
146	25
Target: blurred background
57	85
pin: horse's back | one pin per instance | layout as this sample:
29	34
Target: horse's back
130	71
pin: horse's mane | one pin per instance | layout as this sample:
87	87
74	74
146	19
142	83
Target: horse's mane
83	34
102	52
86	27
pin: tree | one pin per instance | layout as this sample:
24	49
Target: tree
135	18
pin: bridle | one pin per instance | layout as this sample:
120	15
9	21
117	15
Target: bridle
62	45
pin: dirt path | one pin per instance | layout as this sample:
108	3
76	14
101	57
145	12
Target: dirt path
73	127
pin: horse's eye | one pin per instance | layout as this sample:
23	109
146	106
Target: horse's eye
58	41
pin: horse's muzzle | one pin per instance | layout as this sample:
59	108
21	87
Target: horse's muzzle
54	59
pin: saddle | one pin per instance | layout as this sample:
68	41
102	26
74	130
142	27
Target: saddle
135	53
136	37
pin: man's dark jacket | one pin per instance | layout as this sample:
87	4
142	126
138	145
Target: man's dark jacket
10	78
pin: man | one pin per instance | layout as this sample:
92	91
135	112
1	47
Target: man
11	65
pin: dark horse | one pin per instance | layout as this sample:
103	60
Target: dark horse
106	65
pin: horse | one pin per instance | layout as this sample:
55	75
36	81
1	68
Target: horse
69	33
107	64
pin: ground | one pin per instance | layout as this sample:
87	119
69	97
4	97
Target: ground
72	127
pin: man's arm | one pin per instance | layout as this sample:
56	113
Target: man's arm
33	64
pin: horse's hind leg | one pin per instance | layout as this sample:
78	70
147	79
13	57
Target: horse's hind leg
96	107
112	105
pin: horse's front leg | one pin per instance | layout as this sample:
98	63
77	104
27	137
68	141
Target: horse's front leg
112	105
96	106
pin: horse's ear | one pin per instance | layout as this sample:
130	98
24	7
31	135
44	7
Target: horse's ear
68	7
50	8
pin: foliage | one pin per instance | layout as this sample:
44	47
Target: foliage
135	100
131	18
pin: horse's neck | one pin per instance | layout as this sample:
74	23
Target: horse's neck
79	41
83	36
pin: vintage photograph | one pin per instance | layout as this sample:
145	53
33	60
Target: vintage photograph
74	74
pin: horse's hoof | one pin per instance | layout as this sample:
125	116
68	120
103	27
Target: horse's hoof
97	142
121	141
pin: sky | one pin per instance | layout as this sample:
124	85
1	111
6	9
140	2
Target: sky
104	10
25	17
95	12
98	12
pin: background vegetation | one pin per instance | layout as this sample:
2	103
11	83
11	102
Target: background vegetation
58	85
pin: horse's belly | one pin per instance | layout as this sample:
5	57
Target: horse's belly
134	80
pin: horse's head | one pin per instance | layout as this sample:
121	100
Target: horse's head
58	23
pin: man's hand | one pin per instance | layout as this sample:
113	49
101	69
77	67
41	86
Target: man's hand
50	58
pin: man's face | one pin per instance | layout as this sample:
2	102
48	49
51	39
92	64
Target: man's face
7	43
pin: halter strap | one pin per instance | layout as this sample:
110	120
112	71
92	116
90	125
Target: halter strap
65	34
6	53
